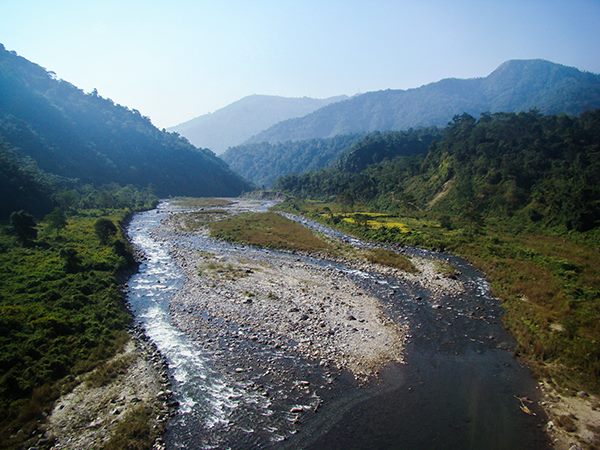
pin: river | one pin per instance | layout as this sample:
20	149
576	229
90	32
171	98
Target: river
456	389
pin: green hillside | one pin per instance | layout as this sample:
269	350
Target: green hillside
263	163
90	138
542	168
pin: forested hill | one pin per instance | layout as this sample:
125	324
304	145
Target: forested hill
518	85
68	133
263	163
541	169
239	121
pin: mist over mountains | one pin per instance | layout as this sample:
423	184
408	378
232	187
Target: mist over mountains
239	121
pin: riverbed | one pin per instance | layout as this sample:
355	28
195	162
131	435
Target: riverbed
440	372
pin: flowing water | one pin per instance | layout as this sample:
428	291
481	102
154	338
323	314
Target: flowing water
456	390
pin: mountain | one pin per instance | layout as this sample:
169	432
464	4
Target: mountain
545	169
517	195
237	122
518	85
263	163
22	184
70	134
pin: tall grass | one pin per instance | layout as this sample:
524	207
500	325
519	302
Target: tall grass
391	259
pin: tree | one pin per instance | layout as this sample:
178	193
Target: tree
56	220
347	200
122	250
105	229
23	225
446	222
67	199
71	259
361	219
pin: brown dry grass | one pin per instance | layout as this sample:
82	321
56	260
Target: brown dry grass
268	230
201	202
391	259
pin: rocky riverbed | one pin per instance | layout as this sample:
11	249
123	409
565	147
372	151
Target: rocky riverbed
270	348
286	304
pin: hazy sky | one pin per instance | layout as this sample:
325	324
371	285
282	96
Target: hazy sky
174	60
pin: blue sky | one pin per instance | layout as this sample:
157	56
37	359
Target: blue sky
174	60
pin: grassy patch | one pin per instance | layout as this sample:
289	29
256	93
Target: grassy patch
268	230
226	271
373	220
110	371
200	202
135	431
445	269
391	259
192	221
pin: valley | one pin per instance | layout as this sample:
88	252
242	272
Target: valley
412	264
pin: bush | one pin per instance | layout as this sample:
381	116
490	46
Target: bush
23	226
105	229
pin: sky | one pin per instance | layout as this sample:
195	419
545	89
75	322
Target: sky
174	60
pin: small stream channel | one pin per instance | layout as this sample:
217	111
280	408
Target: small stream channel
456	390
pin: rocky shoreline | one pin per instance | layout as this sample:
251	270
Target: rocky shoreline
285	302
89	415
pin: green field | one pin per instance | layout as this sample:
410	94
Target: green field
268	230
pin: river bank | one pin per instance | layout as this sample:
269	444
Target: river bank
105	408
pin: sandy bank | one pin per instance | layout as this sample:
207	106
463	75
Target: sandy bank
574	420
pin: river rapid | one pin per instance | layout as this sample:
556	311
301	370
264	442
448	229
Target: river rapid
457	387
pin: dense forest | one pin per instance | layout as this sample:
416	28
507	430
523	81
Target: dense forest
545	169
263	163
86	137
517	85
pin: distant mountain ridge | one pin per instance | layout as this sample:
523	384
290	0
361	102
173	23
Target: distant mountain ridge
516	85
239	121
90	139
